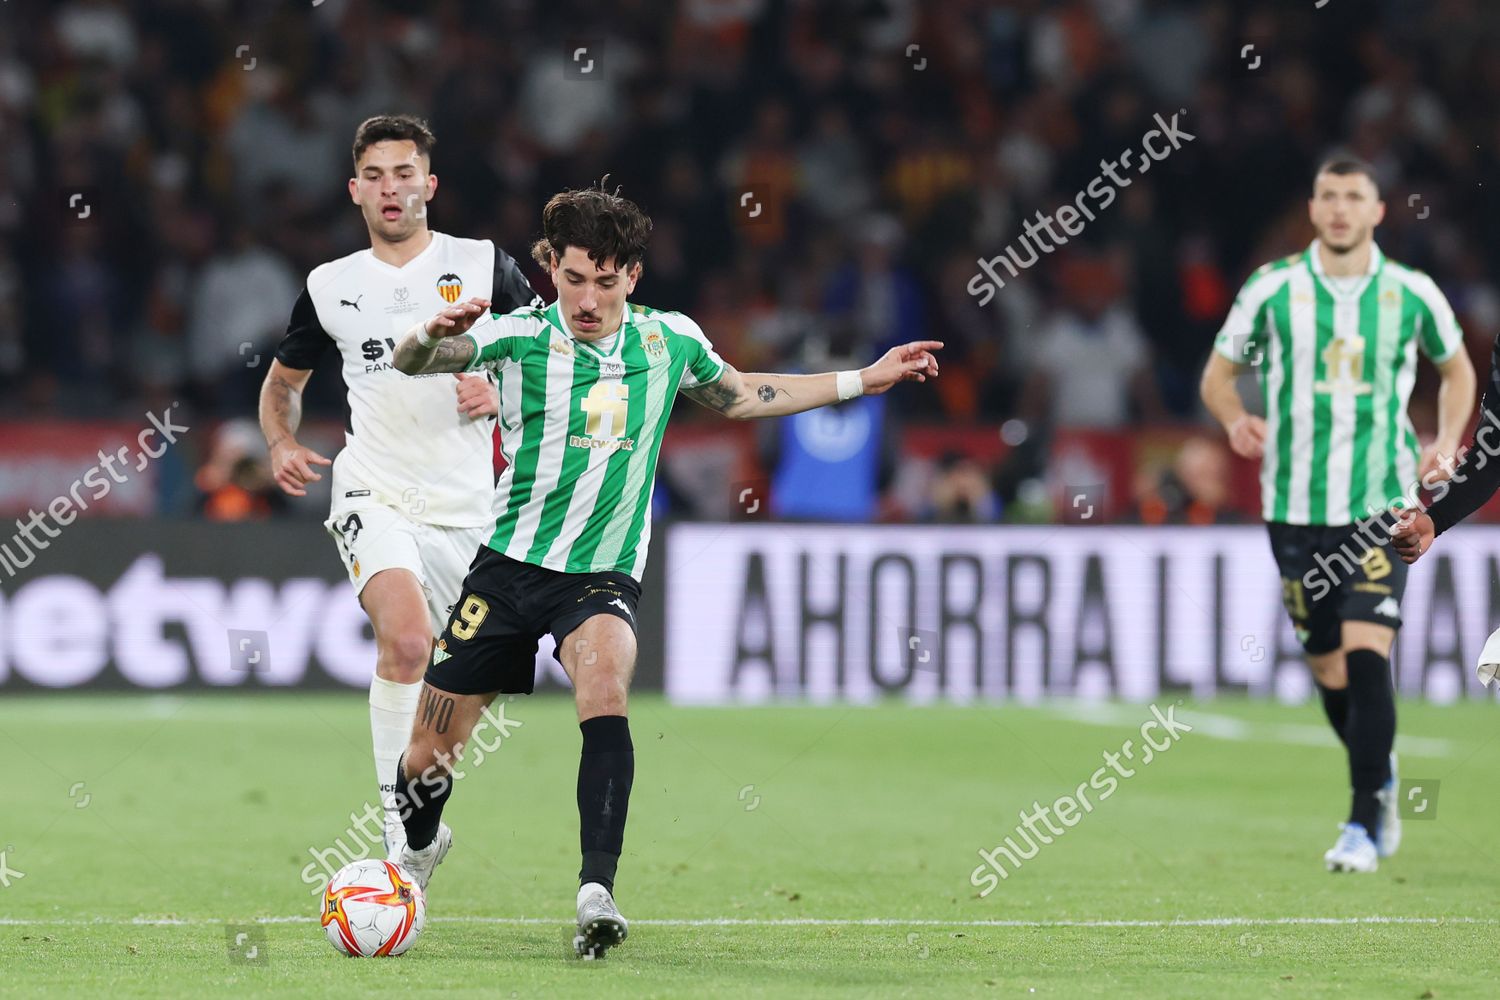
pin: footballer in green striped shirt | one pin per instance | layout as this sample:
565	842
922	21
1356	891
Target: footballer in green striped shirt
1333	335
586	387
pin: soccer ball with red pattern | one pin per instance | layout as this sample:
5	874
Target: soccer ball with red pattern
373	908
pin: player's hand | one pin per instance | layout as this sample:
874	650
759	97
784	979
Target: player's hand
291	467
1412	534
906	363
456	319
1247	436
477	397
1441	460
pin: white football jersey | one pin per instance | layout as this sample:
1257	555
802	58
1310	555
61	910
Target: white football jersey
406	444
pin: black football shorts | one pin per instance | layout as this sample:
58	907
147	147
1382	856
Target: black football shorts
1331	575
490	641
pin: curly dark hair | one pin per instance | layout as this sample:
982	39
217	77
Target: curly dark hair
606	225
385	128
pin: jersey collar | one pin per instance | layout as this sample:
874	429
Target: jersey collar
427	251
555	317
1315	264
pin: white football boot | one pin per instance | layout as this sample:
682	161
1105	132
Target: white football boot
1353	852
421	863
600	926
1388	837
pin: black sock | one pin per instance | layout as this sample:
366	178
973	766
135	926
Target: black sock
421	803
606	770
1336	707
1371	732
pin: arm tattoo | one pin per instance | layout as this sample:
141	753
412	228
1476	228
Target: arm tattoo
452	354
435	710
768	393
285	398
282	410
715	396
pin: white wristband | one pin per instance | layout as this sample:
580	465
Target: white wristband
425	342
850	385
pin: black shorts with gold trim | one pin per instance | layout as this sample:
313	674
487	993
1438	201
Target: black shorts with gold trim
506	606
1334	574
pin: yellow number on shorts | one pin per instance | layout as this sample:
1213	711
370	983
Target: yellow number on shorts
1294	599
470	614
1377	564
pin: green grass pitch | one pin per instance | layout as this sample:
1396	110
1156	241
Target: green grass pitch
772	852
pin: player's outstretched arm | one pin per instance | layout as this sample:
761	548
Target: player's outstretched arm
434	345
753	395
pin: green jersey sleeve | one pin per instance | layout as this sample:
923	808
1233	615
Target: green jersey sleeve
1242	338
1441	337
703	363
503	337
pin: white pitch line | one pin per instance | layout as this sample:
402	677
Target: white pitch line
806	922
1226	727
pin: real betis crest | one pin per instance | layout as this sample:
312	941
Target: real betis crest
652	340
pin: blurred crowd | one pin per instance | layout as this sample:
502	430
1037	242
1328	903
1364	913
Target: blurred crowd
823	177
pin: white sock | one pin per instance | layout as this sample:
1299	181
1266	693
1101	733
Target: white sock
393	708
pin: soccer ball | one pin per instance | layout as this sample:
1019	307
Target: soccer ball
372	908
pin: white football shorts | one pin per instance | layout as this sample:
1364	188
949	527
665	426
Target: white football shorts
374	537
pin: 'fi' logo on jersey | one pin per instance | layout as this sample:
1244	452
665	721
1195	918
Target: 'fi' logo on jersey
1343	367
450	287
606	405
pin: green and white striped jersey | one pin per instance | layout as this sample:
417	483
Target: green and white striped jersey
1336	361
581	430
